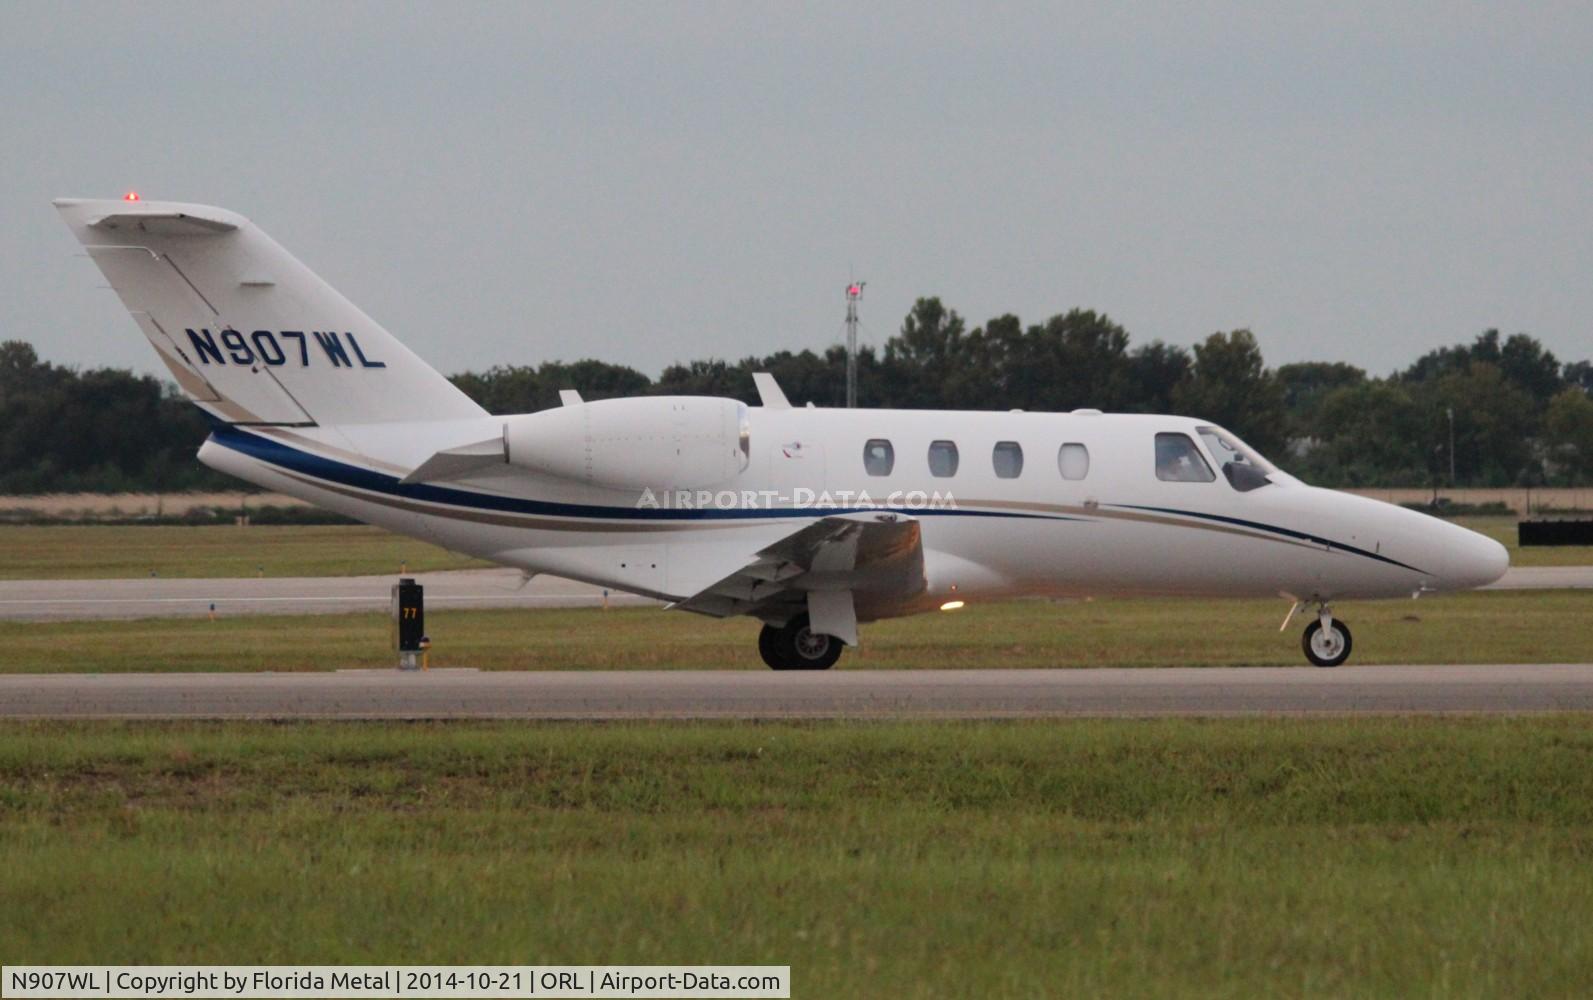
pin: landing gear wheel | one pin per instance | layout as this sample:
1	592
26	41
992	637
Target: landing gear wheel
769	648
797	647
1327	647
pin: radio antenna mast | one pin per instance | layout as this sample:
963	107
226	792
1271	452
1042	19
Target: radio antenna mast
854	294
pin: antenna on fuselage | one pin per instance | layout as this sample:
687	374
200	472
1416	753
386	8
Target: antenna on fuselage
854	294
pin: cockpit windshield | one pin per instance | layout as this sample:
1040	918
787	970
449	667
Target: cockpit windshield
1244	469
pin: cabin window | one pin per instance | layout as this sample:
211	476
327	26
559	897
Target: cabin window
1179	461
943	458
1073	460
879	458
1008	459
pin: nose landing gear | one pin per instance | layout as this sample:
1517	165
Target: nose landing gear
1327	640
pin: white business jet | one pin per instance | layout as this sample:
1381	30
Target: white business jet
810	520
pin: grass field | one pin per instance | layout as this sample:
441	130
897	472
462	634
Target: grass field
88	551
106	552
1503	530
1374	857
1491	627
66	506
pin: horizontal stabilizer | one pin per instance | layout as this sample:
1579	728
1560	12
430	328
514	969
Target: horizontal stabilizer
167	222
457	463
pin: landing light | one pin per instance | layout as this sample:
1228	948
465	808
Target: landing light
130	196
951	606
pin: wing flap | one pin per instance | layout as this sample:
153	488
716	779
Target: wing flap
876	557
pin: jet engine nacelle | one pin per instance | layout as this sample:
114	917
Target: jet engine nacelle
669	442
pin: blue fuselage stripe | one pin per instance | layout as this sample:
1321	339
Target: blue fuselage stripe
319	467
1287	532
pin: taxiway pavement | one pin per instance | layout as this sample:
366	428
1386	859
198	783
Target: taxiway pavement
152	597
763	694
160	597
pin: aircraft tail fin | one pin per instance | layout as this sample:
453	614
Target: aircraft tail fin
250	334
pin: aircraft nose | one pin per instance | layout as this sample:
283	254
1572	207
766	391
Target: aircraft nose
1474	560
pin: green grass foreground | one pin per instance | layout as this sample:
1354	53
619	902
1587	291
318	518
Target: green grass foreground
1370	857
1491	627
82	552
57	552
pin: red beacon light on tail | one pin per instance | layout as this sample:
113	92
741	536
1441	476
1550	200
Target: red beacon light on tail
130	196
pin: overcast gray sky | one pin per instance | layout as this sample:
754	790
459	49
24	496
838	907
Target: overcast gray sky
652	183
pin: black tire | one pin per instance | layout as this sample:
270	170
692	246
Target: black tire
796	647
771	649
1327	653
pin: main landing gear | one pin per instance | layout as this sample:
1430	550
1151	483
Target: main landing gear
797	647
1327	640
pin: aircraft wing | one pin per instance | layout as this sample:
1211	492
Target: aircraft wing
829	567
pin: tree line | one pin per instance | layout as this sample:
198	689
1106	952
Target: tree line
1496	411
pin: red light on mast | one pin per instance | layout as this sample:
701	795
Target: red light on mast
130	196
